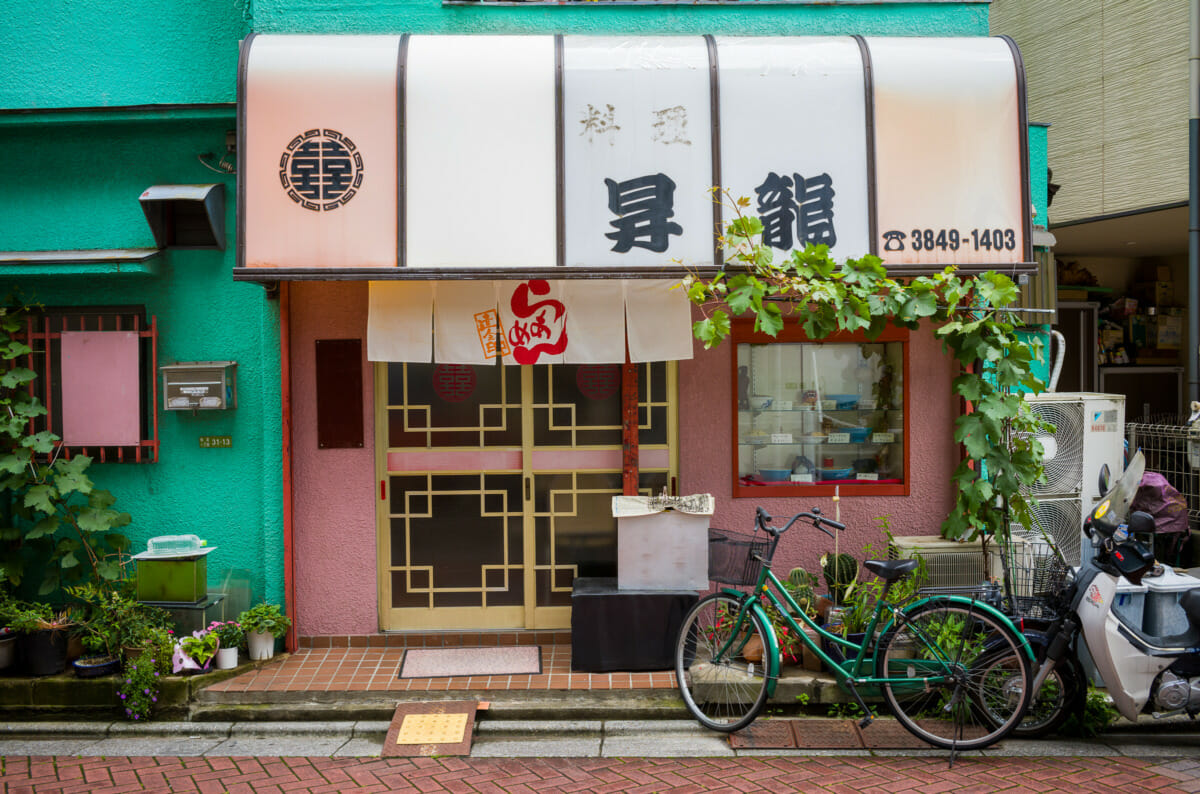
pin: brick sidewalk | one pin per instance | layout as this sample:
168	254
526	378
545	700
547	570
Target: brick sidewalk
891	775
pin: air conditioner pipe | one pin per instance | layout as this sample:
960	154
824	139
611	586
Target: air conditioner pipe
1060	350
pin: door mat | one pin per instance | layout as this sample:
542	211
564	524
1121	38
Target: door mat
825	734
443	727
442	662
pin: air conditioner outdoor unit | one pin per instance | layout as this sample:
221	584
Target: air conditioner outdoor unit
1089	433
949	563
1057	523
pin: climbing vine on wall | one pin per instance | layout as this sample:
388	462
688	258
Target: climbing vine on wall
53	520
970	316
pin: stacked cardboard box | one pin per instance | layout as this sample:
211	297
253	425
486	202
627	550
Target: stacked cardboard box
1156	331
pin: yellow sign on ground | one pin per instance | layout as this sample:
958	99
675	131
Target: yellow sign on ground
433	729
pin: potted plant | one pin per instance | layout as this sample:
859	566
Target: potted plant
8	637
792	650
114	626
195	654
263	624
230	635
44	638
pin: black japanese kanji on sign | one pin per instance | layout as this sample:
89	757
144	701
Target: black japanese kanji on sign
321	169
808	203
643	207
776	210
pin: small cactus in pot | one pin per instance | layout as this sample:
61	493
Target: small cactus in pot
840	572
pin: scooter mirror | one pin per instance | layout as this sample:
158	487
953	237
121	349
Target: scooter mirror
1105	477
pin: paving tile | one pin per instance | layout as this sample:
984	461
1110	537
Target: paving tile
278	746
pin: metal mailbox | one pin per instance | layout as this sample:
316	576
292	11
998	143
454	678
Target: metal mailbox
199	385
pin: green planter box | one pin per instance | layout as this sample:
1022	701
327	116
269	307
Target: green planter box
173	580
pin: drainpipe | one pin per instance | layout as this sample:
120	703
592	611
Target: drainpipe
289	546
1194	203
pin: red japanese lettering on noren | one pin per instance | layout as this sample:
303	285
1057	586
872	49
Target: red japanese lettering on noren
534	332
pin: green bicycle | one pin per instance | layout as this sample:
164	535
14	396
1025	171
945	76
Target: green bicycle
954	671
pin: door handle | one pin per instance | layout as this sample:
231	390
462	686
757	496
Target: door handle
527	488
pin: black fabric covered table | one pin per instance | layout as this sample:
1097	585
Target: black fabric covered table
615	629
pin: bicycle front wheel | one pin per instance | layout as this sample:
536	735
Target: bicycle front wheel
968	679
721	664
1064	693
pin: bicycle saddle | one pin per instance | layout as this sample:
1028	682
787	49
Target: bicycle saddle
891	570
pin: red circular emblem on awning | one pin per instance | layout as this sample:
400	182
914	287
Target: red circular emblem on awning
453	382
598	381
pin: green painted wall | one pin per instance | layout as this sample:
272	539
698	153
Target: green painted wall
106	53
80	191
61	54
743	18
1038	178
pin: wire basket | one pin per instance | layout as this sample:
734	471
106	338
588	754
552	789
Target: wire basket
1037	586
737	558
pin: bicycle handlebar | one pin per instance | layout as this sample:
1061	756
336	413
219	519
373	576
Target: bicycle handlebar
762	519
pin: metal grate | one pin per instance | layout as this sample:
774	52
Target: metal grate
1172	450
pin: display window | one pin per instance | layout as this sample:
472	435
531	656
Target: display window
812	416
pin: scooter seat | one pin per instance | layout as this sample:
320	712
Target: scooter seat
891	570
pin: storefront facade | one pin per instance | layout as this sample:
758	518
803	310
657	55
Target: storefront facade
477	238
380	473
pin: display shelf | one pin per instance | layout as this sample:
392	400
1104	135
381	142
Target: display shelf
820	414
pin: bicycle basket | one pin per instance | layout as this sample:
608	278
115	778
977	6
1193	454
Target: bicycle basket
1037	587
737	558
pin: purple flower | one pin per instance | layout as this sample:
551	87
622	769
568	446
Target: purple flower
153	700
122	696
135	716
147	691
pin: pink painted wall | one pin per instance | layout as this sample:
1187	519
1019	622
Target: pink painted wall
706	459
334	490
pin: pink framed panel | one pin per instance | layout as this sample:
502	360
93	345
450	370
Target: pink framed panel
101	388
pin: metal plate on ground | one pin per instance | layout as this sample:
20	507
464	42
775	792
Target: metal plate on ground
764	735
431	728
826	734
889	735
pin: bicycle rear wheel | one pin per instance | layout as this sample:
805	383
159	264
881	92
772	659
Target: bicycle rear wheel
721	664
970	680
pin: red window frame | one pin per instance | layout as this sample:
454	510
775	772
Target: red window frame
742	332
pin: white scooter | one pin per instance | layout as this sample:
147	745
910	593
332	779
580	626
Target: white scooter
1143	673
